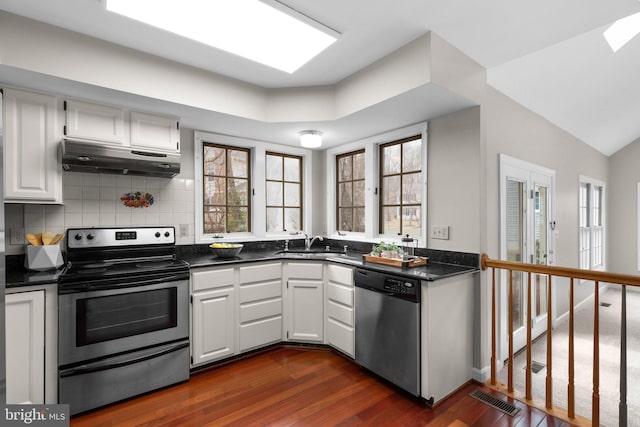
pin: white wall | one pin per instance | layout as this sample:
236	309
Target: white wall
622	209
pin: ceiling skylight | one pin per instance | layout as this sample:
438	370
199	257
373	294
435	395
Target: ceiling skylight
622	31
271	34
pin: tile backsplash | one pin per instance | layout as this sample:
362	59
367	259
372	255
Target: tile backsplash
93	200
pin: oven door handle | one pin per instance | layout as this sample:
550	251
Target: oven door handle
109	284
111	364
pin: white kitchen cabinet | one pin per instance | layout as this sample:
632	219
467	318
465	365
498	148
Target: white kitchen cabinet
447	334
94	122
339	308
213	315
150	131
260	305
305	305
32	172
25	344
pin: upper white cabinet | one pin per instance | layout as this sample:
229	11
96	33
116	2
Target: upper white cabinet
94	122
156	132
119	126
32	171
25	336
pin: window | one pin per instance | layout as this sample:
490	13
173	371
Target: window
591	206
350	191
283	192
401	187
226	176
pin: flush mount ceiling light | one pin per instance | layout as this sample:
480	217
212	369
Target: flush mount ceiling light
265	31
310	138
622	31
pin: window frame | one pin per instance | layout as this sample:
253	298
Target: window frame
372	165
284	181
596	233
258	151
338	182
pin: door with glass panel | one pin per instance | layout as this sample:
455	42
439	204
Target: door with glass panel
526	201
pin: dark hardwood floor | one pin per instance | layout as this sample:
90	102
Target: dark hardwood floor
303	387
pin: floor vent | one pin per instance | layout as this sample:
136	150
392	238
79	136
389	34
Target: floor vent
535	366
605	304
494	402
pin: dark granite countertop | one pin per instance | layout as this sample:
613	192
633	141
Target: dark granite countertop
442	264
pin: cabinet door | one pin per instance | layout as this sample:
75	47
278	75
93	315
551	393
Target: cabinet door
213	325
32	171
306	313
24	329
94	122
155	132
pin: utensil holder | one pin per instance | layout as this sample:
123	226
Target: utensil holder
42	258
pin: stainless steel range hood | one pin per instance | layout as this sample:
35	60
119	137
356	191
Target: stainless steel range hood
82	156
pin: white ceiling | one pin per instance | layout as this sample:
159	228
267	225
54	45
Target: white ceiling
548	55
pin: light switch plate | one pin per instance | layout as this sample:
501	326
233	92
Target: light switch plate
440	232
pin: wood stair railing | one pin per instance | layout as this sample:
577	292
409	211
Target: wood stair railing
572	273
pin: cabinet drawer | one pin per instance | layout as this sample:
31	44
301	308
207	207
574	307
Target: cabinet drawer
340	294
259	273
259	291
210	279
340	274
260	310
341	337
260	333
340	313
305	270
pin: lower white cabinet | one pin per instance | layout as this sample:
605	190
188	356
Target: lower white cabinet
305	304
339	300
25	344
213	315
260	305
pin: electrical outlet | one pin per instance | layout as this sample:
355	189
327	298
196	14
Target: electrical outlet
184	230
440	232
17	236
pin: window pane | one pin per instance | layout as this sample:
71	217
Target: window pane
411	220
292	169
345	172
390	220
358	166
274	167
411	188
237	192
275	221
214	220
358	193
291	194
345	222
391	190
274	194
238	163
215	192
358	220
391	159
412	156
237	220
292	219
344	195
214	161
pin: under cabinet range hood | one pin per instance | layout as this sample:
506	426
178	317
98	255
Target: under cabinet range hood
81	156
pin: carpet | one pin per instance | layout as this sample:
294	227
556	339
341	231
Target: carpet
609	359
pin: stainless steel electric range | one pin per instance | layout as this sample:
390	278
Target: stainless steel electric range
123	315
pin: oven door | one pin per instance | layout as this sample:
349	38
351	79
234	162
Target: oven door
98	323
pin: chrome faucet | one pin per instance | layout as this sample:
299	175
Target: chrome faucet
308	243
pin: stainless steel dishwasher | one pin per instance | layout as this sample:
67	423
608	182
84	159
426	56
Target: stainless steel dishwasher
388	327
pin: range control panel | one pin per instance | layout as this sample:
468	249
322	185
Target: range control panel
110	237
